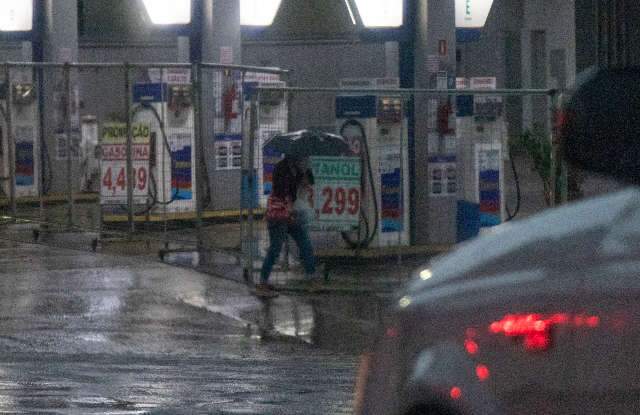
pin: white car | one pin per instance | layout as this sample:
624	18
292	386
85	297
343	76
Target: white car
542	317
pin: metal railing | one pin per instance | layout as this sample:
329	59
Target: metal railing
218	175
312	106
64	94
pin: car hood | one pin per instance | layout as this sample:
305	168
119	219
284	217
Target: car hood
599	229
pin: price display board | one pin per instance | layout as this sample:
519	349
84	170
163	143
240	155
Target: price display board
337	193
113	164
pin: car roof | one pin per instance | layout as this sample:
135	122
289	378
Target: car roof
566	237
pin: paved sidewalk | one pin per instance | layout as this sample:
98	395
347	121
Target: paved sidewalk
85	333
341	271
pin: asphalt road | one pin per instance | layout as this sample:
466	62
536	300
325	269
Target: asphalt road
82	333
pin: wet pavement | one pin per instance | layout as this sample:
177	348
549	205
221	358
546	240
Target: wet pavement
92	333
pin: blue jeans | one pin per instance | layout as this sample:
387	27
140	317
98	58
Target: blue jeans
278	232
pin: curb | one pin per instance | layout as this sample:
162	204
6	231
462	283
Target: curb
337	290
382	288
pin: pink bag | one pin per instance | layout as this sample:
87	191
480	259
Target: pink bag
278	209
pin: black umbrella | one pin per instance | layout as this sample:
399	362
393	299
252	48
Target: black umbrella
306	143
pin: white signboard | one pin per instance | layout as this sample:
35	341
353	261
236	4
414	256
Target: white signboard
387	83
462	83
337	194
261	77
228	153
179	76
486	82
226	55
113	176
370	83
443	180
357	83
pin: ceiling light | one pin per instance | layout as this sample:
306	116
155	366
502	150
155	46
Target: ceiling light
258	12
381	13
164	12
16	15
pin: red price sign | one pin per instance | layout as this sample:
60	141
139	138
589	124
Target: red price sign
113	183
338	201
113	173
337	192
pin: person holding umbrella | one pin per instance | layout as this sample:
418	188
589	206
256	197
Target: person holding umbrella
289	206
292	181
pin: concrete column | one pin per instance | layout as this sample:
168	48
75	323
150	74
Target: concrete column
27	51
221	43
549	54
435	217
221	29
60	37
61	31
391	59
184	49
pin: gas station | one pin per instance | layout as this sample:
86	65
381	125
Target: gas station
319	206
436	167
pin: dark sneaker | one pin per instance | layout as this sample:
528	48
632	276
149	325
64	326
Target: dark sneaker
265	291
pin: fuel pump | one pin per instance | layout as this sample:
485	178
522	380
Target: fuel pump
18	100
376	128
167	108
89	165
273	111
481	122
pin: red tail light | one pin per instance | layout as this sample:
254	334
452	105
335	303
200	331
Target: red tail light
471	346
482	372
455	393
537	341
593	321
535	329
